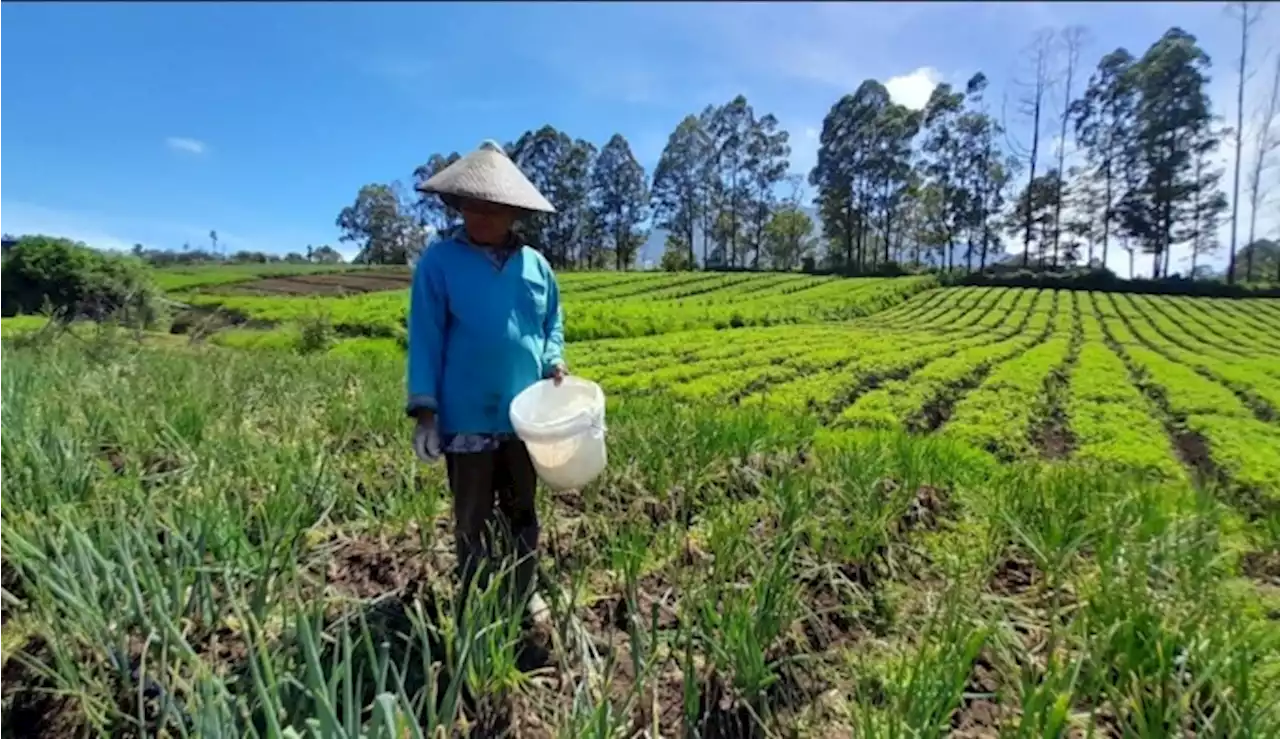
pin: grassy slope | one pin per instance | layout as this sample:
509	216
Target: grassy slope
232	507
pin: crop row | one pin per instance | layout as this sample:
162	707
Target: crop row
645	376
1249	377
383	313
189	278
1242	323
1242	449
1113	424
1186	332
885	356
920	400
1001	414
668	286
707	365
626	356
740	359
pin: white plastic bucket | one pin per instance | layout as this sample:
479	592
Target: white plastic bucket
563	428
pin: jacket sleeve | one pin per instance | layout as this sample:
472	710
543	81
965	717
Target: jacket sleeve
553	328
427	311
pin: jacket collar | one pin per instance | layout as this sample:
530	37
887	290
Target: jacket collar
459	233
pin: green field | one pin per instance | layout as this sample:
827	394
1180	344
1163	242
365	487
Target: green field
197	277
610	305
834	507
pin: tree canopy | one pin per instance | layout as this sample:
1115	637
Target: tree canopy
943	187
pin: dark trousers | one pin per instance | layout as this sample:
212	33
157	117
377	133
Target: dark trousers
478	480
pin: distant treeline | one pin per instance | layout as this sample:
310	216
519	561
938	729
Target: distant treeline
945	185
167	257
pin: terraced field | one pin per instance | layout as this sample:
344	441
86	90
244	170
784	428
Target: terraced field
615	305
231	276
833	508
1140	382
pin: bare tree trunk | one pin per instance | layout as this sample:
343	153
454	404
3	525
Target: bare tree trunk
1035	145
1073	39
986	240
1041	48
1106	217
1248	14
733	217
692	209
1264	146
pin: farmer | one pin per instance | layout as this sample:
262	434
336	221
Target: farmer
484	324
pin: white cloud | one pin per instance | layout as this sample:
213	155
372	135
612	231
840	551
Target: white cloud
913	89
185	145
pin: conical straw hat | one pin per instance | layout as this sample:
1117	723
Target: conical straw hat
487	174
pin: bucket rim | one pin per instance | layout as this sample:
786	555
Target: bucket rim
569	426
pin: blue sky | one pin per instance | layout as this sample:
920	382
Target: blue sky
155	123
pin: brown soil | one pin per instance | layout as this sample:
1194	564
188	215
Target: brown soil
199	321
332	284
722	715
737	478
1193	449
1054	440
936	412
370	567
392	574
1262	566
980	714
1015	576
833	624
31	711
720	712
653	591
664	696
674	506
1261	409
1052	435
927	509
572	501
795	686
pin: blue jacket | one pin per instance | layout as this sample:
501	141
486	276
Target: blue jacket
479	335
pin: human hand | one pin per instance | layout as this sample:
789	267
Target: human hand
557	374
426	438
